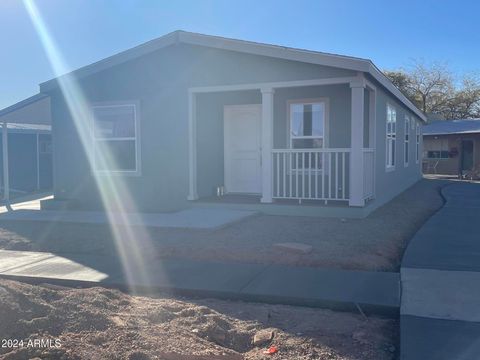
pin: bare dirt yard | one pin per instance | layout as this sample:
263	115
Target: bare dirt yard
374	243
98	323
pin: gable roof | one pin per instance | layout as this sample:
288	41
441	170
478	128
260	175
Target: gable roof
446	127
255	48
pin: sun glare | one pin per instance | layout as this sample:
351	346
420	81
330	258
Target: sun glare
119	204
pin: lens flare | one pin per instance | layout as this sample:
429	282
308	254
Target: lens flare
119	204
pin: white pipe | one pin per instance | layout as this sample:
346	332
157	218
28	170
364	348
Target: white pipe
6	184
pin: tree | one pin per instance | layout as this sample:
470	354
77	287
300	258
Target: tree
431	87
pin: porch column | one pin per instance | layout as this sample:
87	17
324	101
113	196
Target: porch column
356	148
192	148
267	144
6	182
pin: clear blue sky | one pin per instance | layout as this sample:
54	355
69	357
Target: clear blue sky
391	33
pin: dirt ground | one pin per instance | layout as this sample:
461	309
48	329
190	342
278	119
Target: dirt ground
374	243
100	323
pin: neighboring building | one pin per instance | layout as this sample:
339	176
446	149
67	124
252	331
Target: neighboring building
179	117
452	148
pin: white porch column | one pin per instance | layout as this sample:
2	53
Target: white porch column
192	147
356	154
267	144
6	182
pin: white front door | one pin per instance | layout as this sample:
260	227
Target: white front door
242	141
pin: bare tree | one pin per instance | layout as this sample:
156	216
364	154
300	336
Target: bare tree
431	87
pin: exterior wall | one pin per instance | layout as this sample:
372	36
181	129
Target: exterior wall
159	81
390	183
22	151
450	166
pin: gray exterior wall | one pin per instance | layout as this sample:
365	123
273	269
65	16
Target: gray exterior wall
391	183
159	82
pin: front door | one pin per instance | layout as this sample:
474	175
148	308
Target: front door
242	144
467	155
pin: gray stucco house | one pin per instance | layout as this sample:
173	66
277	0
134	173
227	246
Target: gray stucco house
185	116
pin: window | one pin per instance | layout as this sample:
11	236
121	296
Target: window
407	139
391	136
115	138
417	143
307	129
437	149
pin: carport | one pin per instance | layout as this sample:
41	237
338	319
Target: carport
34	110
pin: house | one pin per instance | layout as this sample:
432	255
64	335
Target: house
452	148
25	149
186	117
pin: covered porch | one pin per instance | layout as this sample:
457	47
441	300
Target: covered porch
308	142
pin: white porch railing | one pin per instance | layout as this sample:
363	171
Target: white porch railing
311	174
368	173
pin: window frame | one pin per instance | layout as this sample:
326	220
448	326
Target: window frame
136	111
390	138
406	141
417	142
325	138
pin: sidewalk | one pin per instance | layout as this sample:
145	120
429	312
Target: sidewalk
440	274
347	290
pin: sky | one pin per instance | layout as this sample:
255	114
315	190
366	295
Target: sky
390	33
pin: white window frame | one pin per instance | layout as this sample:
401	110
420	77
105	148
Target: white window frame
406	144
417	143
135	104
390	139
326	106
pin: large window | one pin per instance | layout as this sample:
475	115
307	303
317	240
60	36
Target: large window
307	130
115	137
407	140
391	136
307	125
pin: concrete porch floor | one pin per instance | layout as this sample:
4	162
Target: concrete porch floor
285	207
195	218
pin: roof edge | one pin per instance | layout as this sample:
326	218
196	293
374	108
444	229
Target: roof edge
23	103
276	51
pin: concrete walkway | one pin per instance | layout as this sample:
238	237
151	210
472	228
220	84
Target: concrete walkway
196	218
377	292
440	276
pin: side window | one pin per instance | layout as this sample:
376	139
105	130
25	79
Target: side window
417	143
407	140
391	136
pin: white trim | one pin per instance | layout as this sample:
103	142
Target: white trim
417	142
306	56
372	135
192	147
38	165
6	176
267	144
136	138
272	85
357	89
326	127
390	167
406	143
